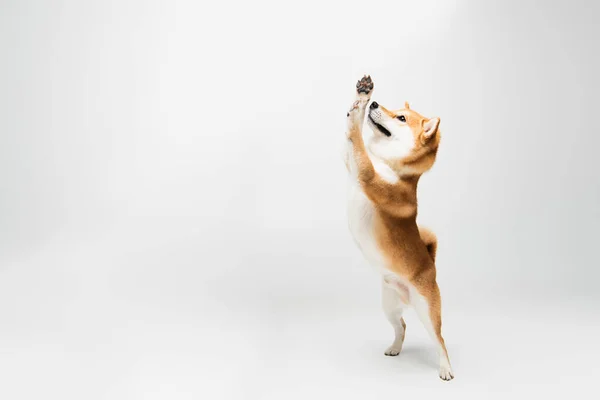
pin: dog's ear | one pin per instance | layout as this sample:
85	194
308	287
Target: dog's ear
430	128
406	105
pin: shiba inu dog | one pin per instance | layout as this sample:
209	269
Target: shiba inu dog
382	211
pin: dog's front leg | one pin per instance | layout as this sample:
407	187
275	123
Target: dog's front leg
356	115
358	161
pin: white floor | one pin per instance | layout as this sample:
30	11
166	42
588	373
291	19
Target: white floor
80	322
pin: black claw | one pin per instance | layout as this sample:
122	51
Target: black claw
347	114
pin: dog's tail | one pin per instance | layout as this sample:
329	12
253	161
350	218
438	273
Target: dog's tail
430	240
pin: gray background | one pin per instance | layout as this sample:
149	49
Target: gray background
172	205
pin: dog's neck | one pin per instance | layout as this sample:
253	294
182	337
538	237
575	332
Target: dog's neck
405	201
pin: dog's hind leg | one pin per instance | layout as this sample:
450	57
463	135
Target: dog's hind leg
394	302
427	304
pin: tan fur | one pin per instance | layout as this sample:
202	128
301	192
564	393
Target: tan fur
430	241
423	157
410	251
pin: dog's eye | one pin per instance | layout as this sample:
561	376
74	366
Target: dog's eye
401	118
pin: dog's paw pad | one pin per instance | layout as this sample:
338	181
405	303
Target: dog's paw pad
365	85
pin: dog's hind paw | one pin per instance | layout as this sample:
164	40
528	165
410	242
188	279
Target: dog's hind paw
446	373
393	351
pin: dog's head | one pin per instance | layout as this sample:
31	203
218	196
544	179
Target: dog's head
403	139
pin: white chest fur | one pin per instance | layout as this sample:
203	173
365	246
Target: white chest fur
361	211
361	215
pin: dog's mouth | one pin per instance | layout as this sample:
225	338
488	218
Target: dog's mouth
380	127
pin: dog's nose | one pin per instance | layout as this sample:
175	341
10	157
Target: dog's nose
374	105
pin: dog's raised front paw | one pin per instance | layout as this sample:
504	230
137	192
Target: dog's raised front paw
365	85
364	89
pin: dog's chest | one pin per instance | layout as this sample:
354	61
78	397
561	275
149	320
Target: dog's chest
361	217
